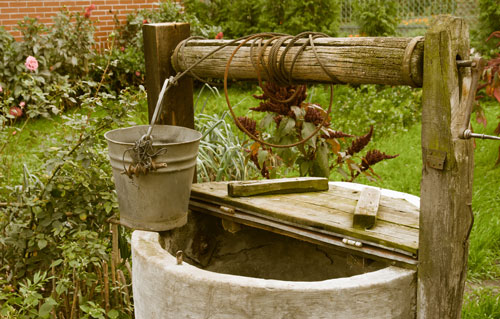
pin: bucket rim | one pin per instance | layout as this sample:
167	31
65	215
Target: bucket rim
114	141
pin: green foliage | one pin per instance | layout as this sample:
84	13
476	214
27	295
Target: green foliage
388	109
219	157
483	303
127	66
239	17
488	22
63	53
289	120
376	17
55	245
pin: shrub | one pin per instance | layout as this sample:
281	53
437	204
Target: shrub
127	54
54	243
488	22
290	119
376	17
238	17
62	54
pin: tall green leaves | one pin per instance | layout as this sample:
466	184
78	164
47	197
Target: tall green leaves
376	17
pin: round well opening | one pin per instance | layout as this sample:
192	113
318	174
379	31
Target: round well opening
247	251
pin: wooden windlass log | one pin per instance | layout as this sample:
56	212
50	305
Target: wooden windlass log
366	60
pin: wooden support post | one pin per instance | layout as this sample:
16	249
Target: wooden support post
160	40
446	189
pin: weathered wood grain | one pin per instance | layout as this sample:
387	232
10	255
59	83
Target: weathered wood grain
160	40
351	60
446	194
365	213
277	186
321	210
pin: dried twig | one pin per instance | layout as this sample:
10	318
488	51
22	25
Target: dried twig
106	285
75	300
123	281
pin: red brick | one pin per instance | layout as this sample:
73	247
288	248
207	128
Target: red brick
9	10
52	3
20	4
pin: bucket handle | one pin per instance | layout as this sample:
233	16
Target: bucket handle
158	107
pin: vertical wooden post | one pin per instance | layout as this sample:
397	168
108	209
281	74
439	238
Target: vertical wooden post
446	188
160	40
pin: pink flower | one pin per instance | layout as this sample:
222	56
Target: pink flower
16	111
88	11
1	89
137	73
219	35
22	104
31	63
122	49
145	21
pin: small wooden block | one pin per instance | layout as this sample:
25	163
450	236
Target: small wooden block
365	214
277	186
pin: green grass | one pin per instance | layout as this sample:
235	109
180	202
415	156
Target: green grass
484	260
482	303
404	172
33	137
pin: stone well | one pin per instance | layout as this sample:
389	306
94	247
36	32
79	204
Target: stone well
254	273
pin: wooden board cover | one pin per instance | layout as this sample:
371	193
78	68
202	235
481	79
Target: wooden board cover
327	211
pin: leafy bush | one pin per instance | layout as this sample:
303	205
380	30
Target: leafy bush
238	17
60	57
388	109
375	17
488	22
54	243
290	119
127	66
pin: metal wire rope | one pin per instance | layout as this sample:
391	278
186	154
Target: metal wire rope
142	148
142	153
271	76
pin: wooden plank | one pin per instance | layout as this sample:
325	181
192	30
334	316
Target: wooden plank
322	214
277	186
365	213
446	193
305	234
351	60
160	40
389	211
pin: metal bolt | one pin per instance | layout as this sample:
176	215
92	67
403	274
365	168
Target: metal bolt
468	134
178	255
466	63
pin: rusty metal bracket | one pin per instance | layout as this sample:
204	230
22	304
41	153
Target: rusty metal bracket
477	65
435	159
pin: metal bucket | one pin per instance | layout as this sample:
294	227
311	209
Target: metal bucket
159	200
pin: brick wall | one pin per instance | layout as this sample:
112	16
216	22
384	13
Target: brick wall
12	11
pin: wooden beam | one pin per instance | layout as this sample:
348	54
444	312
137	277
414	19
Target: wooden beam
446	190
393	61
277	186
160	40
366	210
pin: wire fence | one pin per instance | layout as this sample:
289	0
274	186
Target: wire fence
417	14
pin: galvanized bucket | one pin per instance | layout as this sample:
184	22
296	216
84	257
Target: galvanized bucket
159	200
